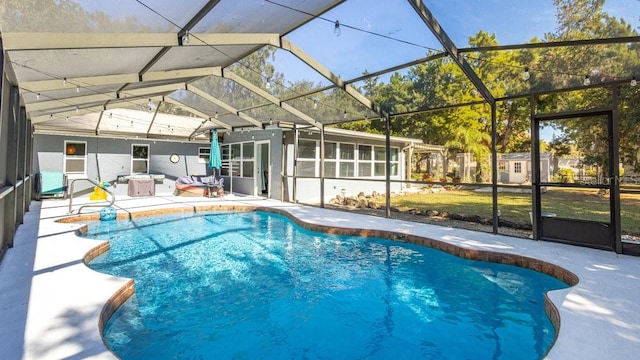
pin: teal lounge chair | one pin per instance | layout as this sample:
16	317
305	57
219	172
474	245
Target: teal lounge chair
51	184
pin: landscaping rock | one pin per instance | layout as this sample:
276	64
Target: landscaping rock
456	217
474	218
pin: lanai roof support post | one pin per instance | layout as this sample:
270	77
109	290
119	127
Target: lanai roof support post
536	202
494	168
614	172
387	164
321	165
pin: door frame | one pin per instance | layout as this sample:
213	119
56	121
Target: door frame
258	168
573	231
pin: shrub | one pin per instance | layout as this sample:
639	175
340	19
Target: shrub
565	175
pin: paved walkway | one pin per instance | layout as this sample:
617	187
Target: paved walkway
50	301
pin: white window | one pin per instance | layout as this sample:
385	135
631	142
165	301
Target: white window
341	160
307	161
347	160
372	161
225	156
139	159
330	159
75	158
247	159
237	159
203	155
365	162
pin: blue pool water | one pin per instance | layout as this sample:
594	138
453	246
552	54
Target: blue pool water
256	286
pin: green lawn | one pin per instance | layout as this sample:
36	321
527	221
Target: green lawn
568	203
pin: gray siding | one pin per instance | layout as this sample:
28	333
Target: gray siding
108	158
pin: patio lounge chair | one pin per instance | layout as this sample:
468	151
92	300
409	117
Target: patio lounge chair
51	184
197	185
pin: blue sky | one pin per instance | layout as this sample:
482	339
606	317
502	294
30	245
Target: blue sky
353	52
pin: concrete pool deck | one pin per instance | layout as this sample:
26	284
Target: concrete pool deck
50	302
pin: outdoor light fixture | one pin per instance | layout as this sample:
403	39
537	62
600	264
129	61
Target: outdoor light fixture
634	82
587	82
215	116
64	82
336	29
268	84
185	38
526	75
315	104
77	109
38	96
345	115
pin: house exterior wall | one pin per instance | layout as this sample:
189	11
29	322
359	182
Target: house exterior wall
246	185
108	158
308	189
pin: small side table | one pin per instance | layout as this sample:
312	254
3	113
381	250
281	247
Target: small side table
212	190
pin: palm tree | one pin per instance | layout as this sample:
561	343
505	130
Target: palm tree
471	139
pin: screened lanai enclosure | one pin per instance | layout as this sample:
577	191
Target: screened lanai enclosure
509	116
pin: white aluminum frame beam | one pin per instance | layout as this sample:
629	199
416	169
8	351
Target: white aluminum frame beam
117	79
74	101
14	41
105	97
110	104
151	90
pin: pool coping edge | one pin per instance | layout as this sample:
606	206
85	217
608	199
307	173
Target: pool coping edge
128	289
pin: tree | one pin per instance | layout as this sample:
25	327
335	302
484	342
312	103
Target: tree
585	19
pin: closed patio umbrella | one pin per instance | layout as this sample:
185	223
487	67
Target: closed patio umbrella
215	162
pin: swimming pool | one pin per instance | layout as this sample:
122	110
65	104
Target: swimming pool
255	285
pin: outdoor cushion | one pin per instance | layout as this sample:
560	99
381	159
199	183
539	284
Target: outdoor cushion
51	182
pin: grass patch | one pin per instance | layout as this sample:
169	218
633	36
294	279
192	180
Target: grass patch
584	204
